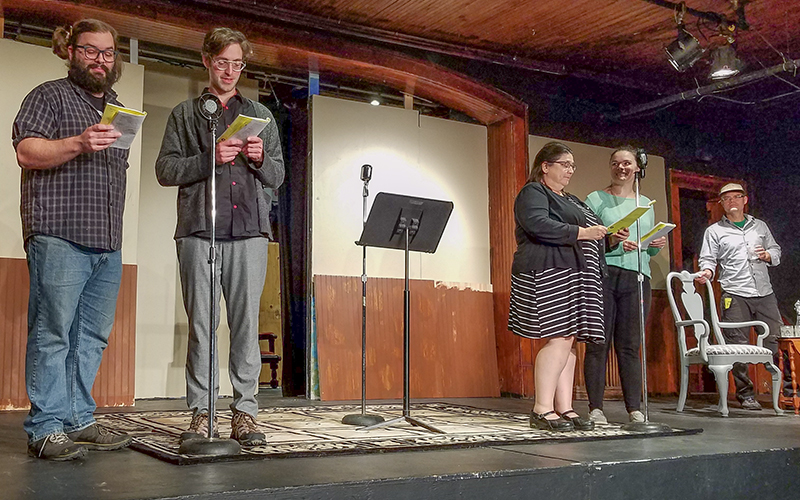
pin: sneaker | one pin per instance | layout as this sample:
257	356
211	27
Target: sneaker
57	447
99	438
198	429
750	404
597	416
244	430
636	416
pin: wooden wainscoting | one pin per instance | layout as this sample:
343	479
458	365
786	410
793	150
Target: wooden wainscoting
114	385
452	353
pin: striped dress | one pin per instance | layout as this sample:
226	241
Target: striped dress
561	302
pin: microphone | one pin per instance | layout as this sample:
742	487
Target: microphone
366	172
209	107
641	161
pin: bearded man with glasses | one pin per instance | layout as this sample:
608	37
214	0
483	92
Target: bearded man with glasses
243	170
72	197
744	248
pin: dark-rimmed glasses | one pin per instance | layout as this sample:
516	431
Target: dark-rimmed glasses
92	53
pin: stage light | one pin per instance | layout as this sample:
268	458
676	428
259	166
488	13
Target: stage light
684	51
724	62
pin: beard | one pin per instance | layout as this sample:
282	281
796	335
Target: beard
82	76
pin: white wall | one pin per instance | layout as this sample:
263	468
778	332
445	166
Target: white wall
593	173
26	67
412	155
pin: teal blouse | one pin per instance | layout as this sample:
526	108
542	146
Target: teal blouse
612	208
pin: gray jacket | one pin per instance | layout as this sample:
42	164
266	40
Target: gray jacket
742	273
184	161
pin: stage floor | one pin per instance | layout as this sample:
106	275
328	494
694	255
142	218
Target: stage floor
745	455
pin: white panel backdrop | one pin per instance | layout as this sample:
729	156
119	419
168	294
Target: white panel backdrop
411	155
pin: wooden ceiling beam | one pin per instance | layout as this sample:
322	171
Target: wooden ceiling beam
176	26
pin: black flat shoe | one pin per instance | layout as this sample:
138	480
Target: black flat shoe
557	425
579	423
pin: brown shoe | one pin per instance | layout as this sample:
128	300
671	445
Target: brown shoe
95	437
244	430
57	447
198	429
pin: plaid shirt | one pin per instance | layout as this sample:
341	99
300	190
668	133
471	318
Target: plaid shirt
82	200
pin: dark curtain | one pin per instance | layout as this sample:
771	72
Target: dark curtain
292	118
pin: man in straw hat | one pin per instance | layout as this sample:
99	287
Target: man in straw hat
744	248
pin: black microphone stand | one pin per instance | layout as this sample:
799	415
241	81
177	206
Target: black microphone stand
646	426
363	419
211	110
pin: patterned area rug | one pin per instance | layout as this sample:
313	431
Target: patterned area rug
318	430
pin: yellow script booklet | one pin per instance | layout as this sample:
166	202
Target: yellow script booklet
629	219
125	120
244	127
660	229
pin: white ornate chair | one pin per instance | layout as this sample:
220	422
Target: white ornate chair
719	356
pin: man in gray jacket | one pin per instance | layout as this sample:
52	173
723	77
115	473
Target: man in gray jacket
743	247
243	170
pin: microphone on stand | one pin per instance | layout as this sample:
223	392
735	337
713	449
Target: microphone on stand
366	175
641	161
209	107
366	172
363	419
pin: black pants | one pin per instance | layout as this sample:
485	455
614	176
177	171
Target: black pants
735	309
621	304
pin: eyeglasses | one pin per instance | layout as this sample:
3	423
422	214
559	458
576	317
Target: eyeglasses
566	164
92	53
223	64
728	199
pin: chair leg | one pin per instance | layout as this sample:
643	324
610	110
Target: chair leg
684	387
721	375
777	386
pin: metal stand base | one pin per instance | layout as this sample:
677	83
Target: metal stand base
410	420
214	447
362	419
646	427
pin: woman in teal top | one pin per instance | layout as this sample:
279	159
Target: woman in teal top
621	290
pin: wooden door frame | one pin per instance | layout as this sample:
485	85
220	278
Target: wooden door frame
679	179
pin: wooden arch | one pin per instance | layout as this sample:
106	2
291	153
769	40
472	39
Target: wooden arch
506	117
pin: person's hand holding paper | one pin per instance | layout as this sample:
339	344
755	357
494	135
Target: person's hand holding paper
254	149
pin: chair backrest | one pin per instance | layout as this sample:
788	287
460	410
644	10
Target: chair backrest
692	304
712	307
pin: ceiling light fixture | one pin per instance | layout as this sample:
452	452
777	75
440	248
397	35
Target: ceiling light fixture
375	102
684	51
724	62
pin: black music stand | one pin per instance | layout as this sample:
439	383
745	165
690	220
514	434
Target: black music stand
412	224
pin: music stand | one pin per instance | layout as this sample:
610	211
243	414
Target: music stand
412	224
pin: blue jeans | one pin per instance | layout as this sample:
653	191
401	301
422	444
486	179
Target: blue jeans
73	297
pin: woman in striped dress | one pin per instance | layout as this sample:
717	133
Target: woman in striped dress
556	287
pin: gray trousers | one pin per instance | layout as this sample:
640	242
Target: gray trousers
735	309
240	272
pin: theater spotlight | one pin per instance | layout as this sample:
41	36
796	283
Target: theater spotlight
684	51
724	62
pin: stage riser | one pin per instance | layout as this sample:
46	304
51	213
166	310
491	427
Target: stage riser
768	475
